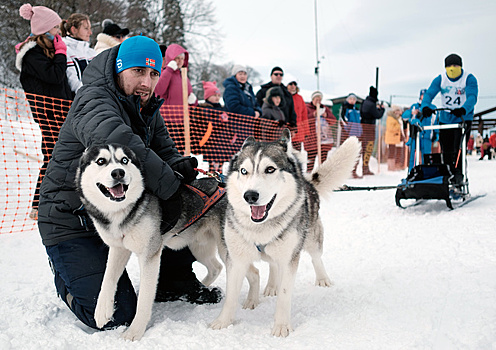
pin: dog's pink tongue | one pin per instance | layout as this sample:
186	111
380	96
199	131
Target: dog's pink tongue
257	212
117	191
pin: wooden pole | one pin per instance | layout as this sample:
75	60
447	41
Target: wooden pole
319	128
187	138
29	156
379	148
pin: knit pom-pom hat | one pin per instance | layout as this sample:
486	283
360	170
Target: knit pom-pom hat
42	18
210	88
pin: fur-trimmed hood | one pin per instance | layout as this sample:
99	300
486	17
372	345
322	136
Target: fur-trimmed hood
104	42
22	52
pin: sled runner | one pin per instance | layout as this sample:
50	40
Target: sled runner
435	178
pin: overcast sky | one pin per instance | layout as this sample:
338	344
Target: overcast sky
407	40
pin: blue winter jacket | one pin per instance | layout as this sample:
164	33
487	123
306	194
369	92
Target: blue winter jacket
471	91
352	118
236	101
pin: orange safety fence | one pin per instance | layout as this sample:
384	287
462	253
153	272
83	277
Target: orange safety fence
29	126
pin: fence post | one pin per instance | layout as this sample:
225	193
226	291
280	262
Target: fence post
187	139
319	135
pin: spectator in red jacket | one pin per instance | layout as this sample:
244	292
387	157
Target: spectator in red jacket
492	140
327	128
169	86
301	115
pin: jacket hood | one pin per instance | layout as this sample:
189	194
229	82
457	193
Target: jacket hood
101	70
22	52
233	81
174	50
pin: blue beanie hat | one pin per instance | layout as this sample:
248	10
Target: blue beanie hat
138	51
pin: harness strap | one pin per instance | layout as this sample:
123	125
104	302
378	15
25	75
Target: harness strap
207	203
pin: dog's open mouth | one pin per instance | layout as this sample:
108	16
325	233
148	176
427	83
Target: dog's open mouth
259	212
116	193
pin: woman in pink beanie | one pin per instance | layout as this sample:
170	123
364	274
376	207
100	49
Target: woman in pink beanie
42	61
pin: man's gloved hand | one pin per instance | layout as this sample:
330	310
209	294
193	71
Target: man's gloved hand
427	112
459	112
59	45
172	64
186	168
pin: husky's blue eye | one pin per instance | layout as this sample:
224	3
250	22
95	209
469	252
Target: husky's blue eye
124	160
270	170
243	171
101	161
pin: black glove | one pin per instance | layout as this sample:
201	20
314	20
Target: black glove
459	112
427	112
185	167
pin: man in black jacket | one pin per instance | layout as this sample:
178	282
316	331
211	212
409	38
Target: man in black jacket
370	111
116	104
287	104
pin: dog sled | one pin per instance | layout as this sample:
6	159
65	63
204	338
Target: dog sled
433	178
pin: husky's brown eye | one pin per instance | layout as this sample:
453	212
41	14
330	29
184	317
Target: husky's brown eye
270	170
101	161
124	160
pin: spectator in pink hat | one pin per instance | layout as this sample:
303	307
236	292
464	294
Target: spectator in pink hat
42	61
217	145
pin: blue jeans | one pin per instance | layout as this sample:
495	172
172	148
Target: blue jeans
79	265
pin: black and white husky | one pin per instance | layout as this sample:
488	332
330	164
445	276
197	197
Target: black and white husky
273	214
128	219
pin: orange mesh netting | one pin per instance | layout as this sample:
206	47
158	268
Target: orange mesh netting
30	125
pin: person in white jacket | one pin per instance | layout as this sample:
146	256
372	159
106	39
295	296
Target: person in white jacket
111	36
76	32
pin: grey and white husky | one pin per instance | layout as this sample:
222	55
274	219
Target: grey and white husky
273	214
128	219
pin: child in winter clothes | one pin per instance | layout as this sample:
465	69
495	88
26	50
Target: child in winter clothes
218	147
42	61
169	86
350	117
327	120
271	108
76	31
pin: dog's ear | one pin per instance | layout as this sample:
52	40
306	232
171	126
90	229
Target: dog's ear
233	164
249	140
285	141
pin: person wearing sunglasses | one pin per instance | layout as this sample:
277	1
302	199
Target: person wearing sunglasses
112	35
287	104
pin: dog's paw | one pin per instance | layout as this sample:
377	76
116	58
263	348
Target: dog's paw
104	311
250	304
270	291
220	323
133	333
281	330
324	282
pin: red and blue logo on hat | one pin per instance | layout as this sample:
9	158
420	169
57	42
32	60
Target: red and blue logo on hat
150	62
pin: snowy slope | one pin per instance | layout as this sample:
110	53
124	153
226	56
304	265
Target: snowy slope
420	278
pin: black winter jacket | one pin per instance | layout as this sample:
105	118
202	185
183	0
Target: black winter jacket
369	111
41	75
287	104
102	114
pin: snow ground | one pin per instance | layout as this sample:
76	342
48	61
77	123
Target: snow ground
419	278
